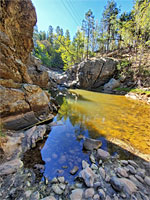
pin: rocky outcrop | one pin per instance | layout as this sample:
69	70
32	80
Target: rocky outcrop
90	74
22	100
39	74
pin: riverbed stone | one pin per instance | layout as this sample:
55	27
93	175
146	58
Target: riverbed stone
74	170
88	176
84	164
76	194
35	196
56	189
94	166
131	162
101	194
139	178
102	173
10	167
123	184
147	180
132	170
122	172
89	193
96	197
49	198
101	154
61	179
92	158
141	172
91	144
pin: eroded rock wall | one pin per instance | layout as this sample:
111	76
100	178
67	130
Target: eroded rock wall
21	100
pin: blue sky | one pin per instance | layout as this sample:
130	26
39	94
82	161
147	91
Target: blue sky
68	14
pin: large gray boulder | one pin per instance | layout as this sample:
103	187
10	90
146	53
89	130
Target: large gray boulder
91	74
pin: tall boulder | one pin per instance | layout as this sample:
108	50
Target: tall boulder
21	101
90	74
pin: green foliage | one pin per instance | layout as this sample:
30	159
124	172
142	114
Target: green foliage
129	30
2	134
123	64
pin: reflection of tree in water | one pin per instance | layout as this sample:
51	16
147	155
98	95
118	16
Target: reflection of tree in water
68	109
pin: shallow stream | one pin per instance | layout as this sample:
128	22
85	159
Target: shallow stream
123	126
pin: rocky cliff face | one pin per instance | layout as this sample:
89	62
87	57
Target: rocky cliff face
21	100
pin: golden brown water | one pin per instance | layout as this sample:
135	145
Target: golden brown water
120	120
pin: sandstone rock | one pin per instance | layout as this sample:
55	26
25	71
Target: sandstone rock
89	193
16	31
112	84
10	167
20	121
76	194
90	144
88	176
103	154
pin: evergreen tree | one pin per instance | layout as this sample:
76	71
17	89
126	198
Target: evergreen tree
88	27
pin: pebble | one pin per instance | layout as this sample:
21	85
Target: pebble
132	170
124	162
89	193
61	179
74	170
131	162
102	172
94	166
147	180
49	198
139	178
57	189
103	154
122	172
101	194
76	194
92	158
84	164
96	197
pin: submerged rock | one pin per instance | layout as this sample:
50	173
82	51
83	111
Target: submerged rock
101	154
90	144
74	170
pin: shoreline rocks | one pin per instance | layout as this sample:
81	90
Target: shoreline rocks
106	178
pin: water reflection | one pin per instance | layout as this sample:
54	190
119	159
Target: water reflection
120	120
63	150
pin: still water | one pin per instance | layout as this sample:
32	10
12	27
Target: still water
120	123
